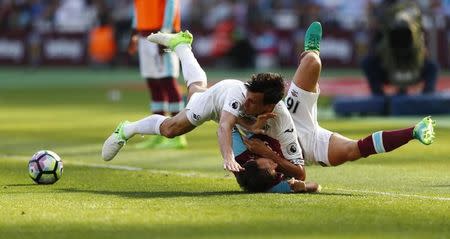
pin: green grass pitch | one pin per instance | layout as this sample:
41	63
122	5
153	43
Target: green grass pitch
185	193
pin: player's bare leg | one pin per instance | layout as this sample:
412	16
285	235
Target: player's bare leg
342	149
307	74
175	126
194	75
196	81
196	87
151	125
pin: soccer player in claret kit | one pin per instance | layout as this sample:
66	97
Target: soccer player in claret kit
250	106
268	173
319	145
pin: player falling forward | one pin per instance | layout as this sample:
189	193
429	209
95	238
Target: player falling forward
229	102
318	144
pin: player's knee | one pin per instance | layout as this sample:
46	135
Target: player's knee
343	153
352	151
198	86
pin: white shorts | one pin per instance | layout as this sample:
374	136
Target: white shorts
199	108
314	139
154	65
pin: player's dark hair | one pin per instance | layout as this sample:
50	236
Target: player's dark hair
271	84
253	179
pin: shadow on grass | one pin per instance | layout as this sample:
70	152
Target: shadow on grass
24	185
336	194
174	194
153	194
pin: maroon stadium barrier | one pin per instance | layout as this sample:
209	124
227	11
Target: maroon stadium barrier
63	49
339	48
13	48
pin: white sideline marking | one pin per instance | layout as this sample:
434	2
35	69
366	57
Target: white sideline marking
110	166
394	194
122	167
130	168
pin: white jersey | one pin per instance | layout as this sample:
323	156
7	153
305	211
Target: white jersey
229	95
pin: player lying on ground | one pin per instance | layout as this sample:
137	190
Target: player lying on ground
230	103
322	146
274	174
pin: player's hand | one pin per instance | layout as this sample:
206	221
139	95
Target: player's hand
232	166
297	186
258	146
261	120
133	45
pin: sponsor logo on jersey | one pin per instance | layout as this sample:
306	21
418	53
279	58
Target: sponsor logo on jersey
292	148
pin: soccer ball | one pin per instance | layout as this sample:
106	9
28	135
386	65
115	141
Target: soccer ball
45	167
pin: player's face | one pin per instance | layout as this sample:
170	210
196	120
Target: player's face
267	164
254	105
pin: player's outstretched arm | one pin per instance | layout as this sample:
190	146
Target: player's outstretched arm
257	146
226	123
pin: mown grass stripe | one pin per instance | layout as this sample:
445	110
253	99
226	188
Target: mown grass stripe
393	194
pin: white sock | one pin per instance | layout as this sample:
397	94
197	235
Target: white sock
149	125
192	71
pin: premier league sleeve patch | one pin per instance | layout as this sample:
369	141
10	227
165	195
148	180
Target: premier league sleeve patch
235	105
292	148
232	105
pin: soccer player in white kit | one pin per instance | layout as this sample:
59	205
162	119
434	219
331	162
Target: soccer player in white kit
255	107
320	145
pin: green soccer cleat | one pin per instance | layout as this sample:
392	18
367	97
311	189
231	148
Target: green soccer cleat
151	142
313	36
171	40
179	142
424	131
114	142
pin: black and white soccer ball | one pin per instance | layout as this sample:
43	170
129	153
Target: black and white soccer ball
45	167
